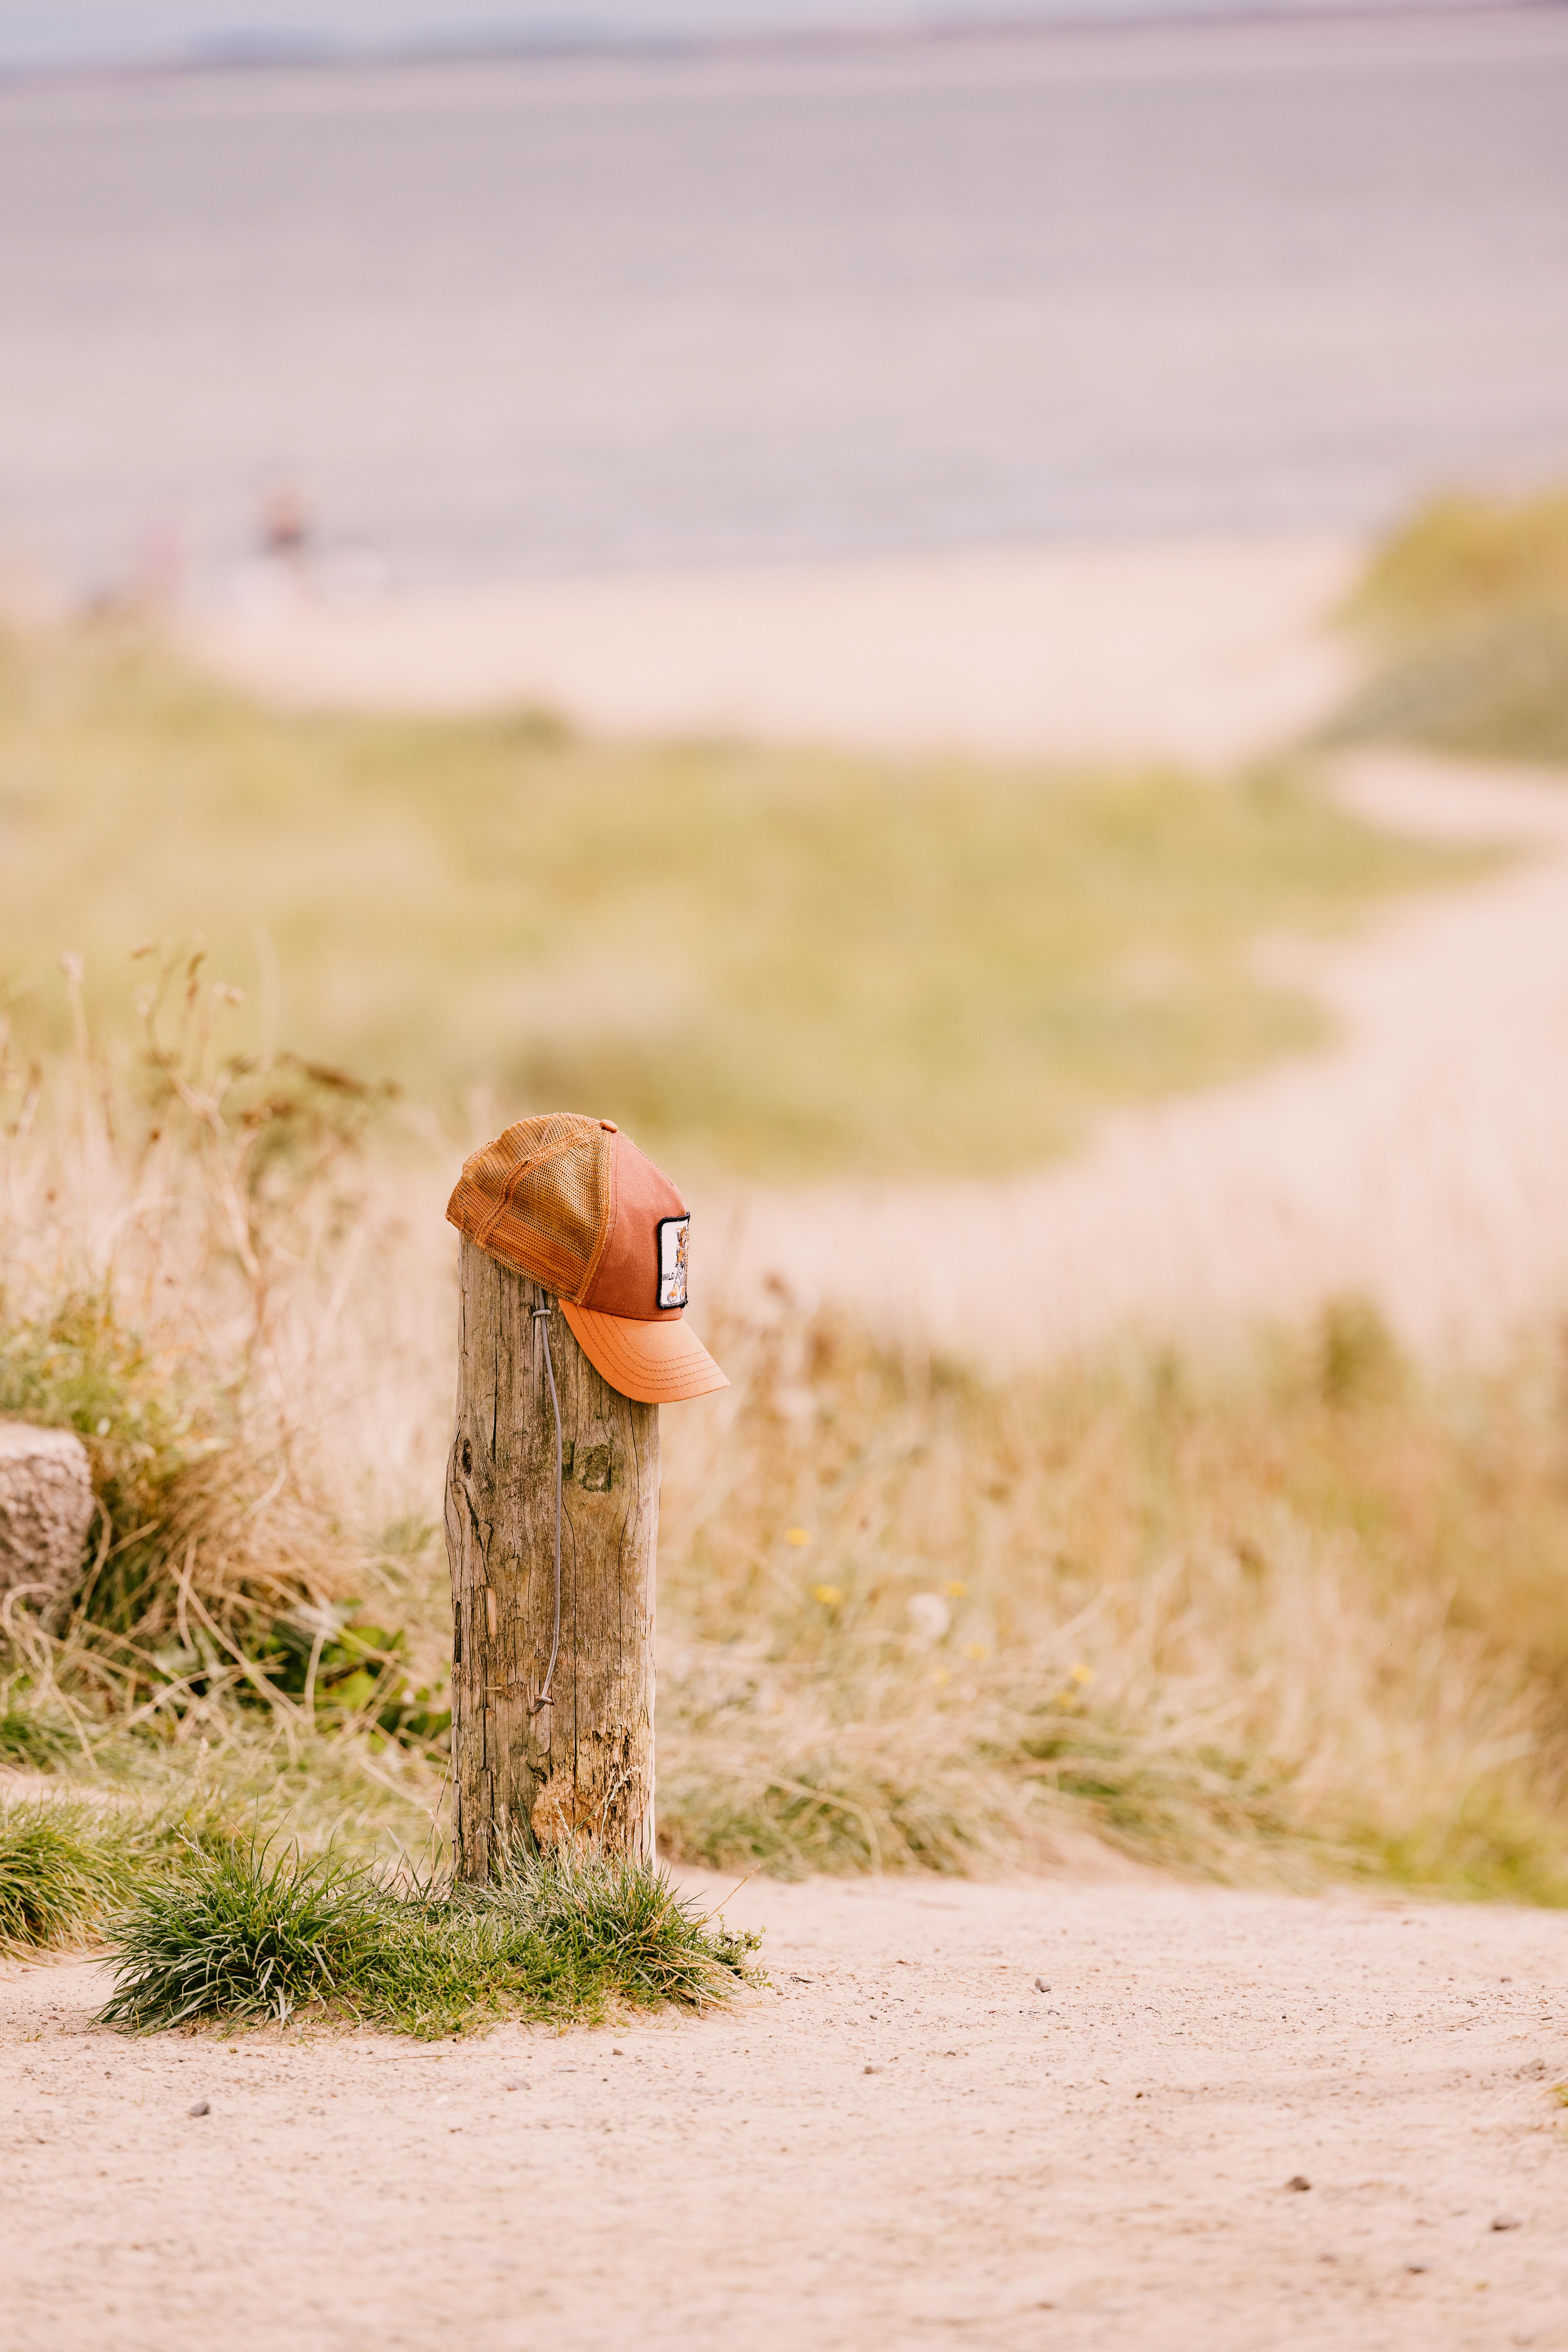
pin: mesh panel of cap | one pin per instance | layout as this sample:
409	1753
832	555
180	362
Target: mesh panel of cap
536	1198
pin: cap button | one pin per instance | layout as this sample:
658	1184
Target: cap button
609	1126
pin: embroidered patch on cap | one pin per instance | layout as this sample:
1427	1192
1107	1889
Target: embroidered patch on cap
673	1234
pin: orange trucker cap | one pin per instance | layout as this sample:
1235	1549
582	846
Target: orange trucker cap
571	1202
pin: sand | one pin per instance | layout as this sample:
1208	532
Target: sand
1203	650
1418	1160
1103	2163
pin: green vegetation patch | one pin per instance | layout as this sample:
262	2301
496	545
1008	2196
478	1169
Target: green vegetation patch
63	1869
771	960
33	1737
1464	615
245	1934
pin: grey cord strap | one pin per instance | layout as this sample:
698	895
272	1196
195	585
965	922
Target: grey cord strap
542	1326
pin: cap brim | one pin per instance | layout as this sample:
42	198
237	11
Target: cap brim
654	1363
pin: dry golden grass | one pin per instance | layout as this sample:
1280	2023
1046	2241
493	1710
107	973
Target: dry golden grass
1286	1615
1289	1613
760	960
156	1215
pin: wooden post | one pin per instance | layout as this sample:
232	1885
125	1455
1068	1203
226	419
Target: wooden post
580	1769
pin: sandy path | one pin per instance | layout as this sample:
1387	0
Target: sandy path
1103	2164
1204	650
1420	1160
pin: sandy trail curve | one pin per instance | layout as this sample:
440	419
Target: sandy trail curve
1102	2164
1419	1161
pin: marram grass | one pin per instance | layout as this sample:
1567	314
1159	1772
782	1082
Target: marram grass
246	1934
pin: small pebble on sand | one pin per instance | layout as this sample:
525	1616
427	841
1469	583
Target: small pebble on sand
1298	2180
203	2108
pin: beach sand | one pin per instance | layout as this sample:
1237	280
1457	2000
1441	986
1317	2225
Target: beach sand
1204	651
904	2142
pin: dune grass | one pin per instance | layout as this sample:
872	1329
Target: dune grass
1294	1614
768	960
1286	1618
246	1934
1464	612
1289	1612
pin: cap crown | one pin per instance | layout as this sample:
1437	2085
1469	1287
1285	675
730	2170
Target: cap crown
573	1203
534	1198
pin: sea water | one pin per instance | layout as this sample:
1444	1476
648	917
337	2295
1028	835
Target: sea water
572	314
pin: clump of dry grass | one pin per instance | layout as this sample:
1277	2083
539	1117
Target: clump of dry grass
159	1213
1465	610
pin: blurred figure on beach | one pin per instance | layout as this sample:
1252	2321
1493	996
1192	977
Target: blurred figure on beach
285	534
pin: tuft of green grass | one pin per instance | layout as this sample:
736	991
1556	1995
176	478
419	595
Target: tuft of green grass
1465	612
1486	1848
586	1929
241	1934
63	1869
32	1738
902	965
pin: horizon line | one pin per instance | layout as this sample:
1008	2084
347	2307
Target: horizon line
259	53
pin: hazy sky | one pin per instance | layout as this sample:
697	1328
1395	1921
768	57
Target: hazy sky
62	32
47	31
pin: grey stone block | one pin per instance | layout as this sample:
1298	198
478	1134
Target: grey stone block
46	1509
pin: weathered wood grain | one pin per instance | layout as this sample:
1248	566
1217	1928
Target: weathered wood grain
581	1768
